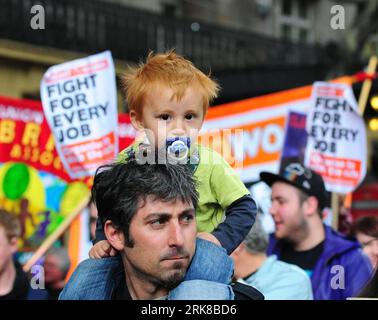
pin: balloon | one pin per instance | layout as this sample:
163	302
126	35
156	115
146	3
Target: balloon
16	181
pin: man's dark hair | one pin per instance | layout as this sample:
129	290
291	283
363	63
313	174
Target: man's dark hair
120	189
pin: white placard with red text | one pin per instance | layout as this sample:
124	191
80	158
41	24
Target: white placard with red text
79	99
336	146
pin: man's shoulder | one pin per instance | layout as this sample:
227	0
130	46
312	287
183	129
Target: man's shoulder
93	279
246	292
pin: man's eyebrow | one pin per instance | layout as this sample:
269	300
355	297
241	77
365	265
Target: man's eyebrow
157	215
188	211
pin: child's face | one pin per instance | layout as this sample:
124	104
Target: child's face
164	117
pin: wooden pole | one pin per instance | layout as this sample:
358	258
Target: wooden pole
335	210
49	241
366	86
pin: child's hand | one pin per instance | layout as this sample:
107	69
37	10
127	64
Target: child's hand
209	237
102	249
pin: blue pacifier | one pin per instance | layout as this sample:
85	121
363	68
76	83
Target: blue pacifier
178	148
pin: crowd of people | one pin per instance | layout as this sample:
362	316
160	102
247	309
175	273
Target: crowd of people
174	227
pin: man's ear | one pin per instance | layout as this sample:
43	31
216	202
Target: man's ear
135	121
311	206
115	236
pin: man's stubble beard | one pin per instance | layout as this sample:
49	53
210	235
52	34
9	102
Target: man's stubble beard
167	279
174	278
295	234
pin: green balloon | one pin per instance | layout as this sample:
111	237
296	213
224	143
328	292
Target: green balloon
16	180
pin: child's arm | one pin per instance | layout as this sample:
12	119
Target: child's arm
102	249
220	185
240	217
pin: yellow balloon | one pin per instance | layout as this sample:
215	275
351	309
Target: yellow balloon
72	196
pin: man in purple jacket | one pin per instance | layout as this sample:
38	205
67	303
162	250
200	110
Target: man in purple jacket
336	265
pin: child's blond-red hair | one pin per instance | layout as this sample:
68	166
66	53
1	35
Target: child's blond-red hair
167	69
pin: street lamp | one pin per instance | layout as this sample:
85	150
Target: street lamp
373	124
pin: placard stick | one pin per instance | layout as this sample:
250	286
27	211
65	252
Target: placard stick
49	241
335	210
366	86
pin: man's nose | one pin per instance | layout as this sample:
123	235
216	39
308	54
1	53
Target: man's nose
176	237
273	209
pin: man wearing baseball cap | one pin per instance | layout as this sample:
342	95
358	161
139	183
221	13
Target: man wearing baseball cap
336	265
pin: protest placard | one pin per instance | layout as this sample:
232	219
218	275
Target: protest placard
79	101
336	146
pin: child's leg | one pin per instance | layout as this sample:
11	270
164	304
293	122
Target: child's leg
210	262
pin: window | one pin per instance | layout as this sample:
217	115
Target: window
303	9
303	35
294	21
287	7
169	10
286	32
